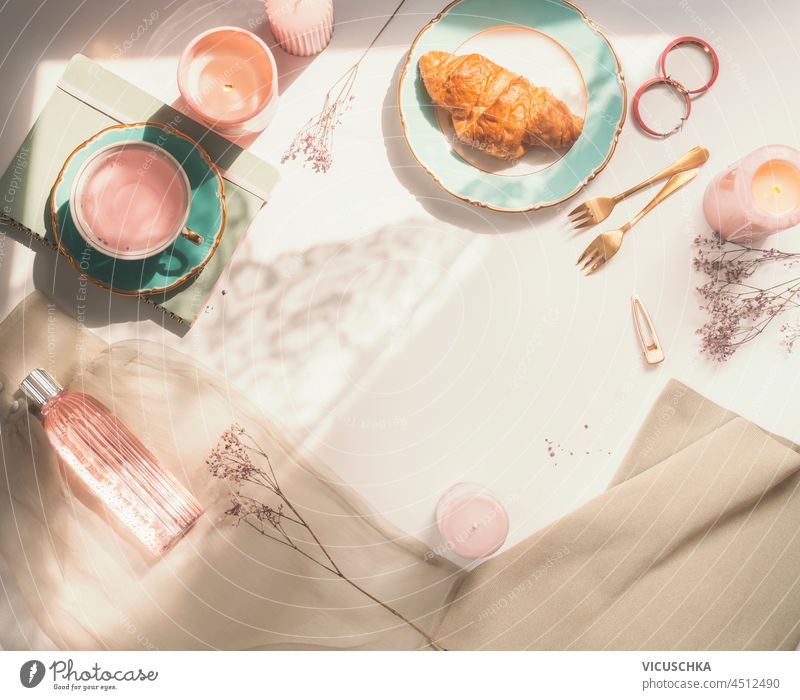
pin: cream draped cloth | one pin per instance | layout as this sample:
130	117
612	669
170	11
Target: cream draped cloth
220	587
694	545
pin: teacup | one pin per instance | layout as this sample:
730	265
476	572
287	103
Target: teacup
131	200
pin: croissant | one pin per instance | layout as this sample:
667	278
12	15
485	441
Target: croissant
494	109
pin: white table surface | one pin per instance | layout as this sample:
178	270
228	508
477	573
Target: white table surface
411	341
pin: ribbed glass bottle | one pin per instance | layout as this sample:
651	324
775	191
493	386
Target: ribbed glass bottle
113	463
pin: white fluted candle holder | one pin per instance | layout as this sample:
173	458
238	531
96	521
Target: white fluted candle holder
301	27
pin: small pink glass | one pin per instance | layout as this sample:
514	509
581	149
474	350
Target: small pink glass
756	196
301	27
471	521
228	77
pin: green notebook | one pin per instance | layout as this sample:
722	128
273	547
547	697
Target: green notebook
89	99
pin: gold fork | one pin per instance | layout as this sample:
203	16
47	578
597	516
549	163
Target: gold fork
596	210
606	245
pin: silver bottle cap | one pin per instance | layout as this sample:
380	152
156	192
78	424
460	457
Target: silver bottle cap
40	387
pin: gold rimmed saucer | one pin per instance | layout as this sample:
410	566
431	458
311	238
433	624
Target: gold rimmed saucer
171	268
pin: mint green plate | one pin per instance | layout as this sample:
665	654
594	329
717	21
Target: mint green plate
174	266
554	45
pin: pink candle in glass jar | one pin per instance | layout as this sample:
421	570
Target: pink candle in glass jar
756	196
228	77
301	27
471	521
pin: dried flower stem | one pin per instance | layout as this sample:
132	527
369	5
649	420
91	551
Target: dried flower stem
232	460
739	309
314	141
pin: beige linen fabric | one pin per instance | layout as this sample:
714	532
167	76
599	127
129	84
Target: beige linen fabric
221	587
695	545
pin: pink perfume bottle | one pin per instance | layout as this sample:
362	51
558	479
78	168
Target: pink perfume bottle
115	466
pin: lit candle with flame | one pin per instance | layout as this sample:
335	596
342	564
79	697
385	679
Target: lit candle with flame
776	187
228	77
756	196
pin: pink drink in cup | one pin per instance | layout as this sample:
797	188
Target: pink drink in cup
131	200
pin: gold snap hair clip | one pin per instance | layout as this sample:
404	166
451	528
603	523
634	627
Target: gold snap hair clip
646	332
683	92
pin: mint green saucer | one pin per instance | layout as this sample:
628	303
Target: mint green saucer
170	268
553	44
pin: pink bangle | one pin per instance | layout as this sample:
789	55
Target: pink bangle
703	45
647	86
666	79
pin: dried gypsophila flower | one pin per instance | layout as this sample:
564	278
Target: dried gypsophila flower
314	141
234	459
791	335
739	310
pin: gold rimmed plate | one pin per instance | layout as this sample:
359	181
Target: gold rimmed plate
554	45
176	265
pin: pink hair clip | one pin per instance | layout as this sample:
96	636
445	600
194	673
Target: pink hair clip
646	332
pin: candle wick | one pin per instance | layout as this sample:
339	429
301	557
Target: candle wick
777	189
227	87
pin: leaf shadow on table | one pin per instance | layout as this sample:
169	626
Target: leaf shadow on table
436	200
304	330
